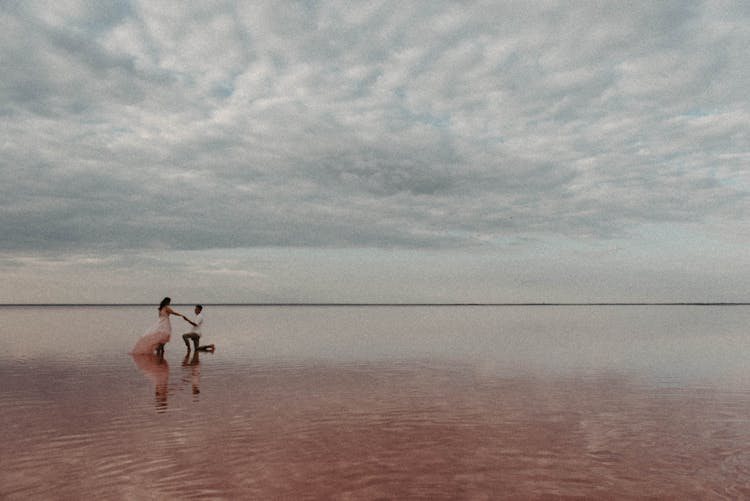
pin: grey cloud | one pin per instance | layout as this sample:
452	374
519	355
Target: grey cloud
319	124
63	71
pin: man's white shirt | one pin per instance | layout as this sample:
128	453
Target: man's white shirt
199	323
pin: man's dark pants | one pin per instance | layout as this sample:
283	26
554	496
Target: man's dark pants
191	335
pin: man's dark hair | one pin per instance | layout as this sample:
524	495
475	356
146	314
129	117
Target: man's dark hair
199	306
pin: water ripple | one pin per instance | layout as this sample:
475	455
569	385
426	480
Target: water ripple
403	426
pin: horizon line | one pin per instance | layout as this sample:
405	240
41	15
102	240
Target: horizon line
254	304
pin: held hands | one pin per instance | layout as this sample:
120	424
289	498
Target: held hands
189	321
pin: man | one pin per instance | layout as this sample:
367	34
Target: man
195	333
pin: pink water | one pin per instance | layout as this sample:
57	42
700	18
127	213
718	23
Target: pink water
379	403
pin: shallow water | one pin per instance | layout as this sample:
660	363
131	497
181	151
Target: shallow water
378	403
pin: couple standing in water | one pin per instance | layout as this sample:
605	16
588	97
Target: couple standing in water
156	337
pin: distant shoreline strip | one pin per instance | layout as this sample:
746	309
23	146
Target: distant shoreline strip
74	305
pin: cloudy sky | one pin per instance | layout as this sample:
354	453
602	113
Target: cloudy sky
374	151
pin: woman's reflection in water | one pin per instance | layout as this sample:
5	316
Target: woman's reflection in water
156	368
192	372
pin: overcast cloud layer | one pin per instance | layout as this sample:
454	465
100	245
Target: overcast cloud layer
136	127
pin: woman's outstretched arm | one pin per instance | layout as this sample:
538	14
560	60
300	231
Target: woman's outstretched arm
172	312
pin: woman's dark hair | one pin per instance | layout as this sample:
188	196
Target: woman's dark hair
164	302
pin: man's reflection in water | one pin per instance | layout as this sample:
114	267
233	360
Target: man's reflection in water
192	372
156	368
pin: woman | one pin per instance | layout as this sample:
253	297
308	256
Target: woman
157	336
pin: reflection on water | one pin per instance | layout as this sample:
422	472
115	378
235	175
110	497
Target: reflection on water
156	368
192	371
262	421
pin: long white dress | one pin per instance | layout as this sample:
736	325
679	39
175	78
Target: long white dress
158	334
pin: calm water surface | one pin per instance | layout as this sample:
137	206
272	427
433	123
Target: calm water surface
378	403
